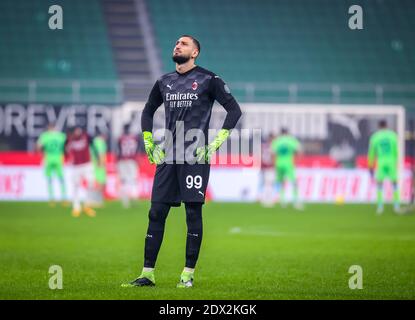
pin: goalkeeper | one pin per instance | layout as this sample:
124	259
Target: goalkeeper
383	147
182	171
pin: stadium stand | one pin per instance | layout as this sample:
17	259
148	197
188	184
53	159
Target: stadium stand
279	51
300	50
77	57
129	40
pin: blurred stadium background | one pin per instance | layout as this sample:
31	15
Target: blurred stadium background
292	63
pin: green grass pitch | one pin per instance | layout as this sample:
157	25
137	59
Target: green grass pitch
248	252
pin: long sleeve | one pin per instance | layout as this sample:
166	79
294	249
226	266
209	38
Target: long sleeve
233	114
154	101
274	146
93	147
371	153
221	93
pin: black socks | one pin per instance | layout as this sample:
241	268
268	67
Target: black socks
194	232
157	220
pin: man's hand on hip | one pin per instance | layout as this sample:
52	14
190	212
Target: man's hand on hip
204	154
154	152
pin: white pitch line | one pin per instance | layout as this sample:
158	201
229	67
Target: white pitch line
258	231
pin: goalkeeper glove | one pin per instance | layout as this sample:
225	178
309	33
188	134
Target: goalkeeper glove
205	153
154	152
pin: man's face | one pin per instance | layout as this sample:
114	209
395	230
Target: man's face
184	50
77	132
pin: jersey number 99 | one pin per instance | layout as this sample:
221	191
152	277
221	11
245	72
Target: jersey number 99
195	182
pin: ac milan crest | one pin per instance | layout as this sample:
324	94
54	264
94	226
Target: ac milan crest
194	85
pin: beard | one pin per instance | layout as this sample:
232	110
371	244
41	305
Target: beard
180	59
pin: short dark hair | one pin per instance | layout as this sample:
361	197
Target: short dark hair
195	41
284	130
382	123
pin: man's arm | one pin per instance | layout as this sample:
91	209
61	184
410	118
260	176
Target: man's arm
220	92
154	152
39	147
94	149
154	101
274	146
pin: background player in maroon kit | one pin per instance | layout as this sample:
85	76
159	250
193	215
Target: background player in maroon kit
127	164
78	148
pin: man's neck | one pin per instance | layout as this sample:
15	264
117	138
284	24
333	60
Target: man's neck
183	68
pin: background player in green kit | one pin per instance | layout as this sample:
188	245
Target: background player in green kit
383	148
100	172
52	144
285	148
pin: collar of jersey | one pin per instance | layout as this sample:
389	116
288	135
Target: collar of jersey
187	72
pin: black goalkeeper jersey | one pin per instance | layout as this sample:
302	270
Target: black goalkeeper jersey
188	99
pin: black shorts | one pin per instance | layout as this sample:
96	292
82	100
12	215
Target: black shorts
176	183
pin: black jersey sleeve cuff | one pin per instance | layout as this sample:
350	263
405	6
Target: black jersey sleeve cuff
233	114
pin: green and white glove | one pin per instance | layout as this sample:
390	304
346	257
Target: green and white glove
154	152
204	154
